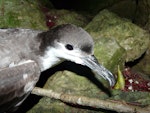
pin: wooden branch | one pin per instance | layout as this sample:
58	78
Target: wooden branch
92	102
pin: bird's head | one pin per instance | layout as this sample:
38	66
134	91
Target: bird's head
72	43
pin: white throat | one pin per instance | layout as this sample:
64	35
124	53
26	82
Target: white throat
49	59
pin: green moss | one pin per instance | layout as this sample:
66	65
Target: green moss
131	37
72	83
134	97
109	53
9	20
21	13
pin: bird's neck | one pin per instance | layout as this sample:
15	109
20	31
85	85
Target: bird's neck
44	56
49	59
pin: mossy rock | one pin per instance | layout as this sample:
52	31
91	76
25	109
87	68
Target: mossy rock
131	37
21	13
109	53
65	16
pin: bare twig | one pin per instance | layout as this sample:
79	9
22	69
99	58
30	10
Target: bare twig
92	102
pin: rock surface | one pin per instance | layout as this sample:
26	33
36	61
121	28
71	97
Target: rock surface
131	37
21	13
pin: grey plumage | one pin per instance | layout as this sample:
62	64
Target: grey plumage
24	53
70	35
17	45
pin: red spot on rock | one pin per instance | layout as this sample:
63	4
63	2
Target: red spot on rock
50	20
136	81
50	23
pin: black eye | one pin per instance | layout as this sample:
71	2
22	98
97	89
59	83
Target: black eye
69	47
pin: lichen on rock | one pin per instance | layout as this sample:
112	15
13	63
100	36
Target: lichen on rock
128	35
21	13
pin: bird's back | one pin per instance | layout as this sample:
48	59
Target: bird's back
15	45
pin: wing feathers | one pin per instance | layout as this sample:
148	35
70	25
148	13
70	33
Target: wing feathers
17	81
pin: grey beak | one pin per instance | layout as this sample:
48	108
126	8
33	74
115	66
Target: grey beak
93	64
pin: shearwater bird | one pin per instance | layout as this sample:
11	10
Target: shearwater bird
24	53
